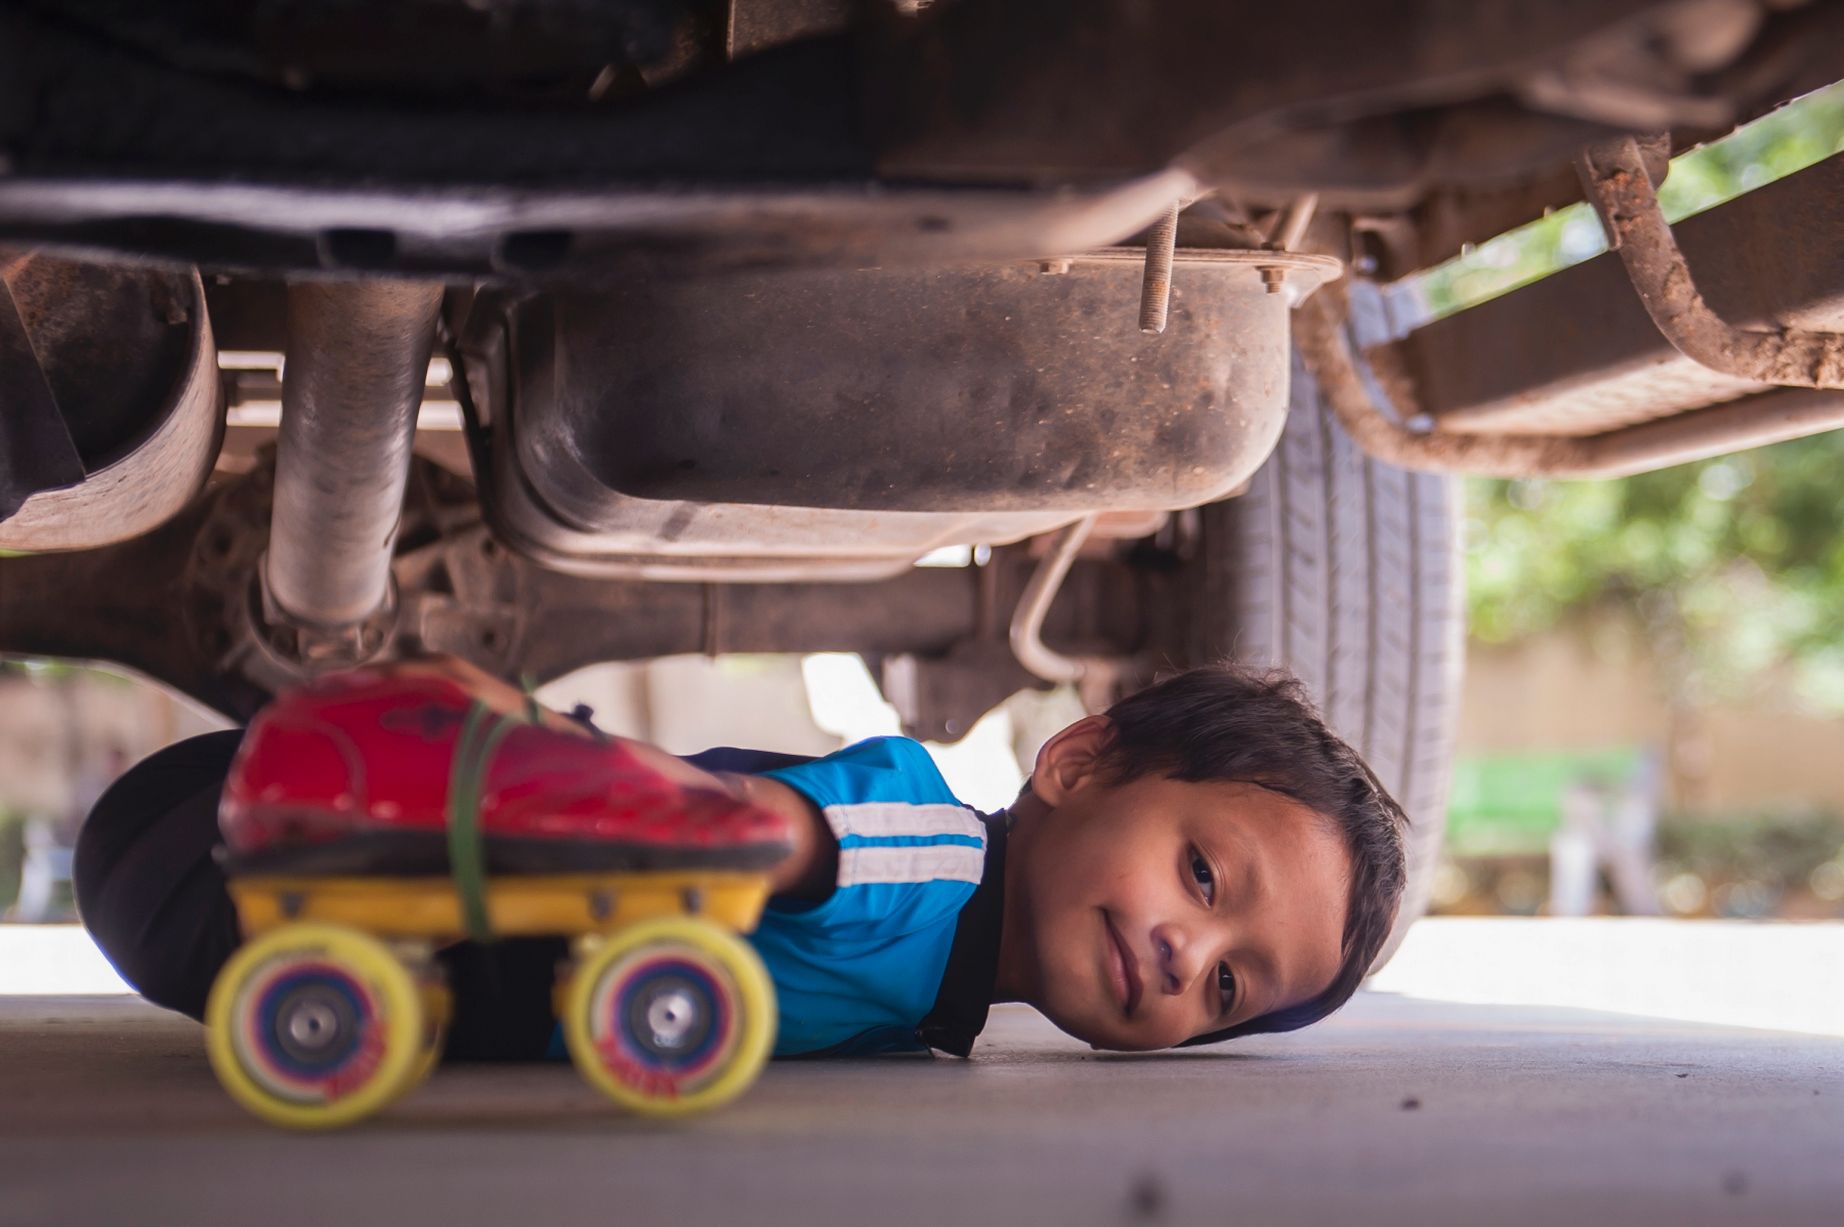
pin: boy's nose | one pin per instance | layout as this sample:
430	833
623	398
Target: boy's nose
1179	955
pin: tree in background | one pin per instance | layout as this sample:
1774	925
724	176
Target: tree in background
1734	566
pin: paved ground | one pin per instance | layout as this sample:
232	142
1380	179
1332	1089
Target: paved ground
1399	1111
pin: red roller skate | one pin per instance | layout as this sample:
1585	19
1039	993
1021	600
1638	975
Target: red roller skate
373	816
360	772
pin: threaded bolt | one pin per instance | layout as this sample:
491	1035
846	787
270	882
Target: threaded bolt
1156	285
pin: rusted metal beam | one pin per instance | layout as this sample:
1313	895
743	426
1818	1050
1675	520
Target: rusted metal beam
1358	398
1577	354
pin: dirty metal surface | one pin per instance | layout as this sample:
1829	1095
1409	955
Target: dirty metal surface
110	404
294	141
1001	389
753	26
1453	216
1080	85
113	342
90	357
39	452
534	49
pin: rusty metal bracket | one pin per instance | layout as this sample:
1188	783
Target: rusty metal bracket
1319	329
1797	366
1355	393
1614	175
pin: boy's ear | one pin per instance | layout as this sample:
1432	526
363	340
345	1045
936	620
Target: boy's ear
1070	760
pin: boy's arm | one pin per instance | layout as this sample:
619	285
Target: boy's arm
812	869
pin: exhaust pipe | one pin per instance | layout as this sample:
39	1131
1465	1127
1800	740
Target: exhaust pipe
357	358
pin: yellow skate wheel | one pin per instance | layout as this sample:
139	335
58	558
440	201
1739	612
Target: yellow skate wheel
438	1006
428	1058
313	1026
670	1016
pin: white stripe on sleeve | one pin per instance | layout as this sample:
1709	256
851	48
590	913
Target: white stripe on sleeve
931	863
885	819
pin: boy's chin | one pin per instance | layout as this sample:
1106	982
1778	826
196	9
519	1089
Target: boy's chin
1117	1044
1099	1037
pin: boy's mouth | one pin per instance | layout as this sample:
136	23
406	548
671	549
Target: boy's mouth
1126	975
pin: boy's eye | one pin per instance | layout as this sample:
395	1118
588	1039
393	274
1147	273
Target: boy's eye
1200	869
1226	987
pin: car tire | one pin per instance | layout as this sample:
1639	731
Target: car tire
1347	572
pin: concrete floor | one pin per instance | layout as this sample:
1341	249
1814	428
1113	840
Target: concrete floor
1397	1111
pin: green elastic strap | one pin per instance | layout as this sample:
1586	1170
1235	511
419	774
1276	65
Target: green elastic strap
466	853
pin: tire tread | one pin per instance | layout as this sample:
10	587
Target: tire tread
1346	571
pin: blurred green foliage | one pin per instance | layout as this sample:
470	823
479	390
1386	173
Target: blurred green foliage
1776	850
1733	566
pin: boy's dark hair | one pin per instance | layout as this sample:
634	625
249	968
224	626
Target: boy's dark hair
1230	723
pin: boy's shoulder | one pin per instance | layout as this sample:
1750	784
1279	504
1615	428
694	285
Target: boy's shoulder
899	828
887	804
877	770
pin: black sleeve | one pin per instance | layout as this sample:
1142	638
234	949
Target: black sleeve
147	887
155	900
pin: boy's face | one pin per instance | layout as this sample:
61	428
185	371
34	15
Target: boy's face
1142	914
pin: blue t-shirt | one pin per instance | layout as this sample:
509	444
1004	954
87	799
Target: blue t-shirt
902	955
859	971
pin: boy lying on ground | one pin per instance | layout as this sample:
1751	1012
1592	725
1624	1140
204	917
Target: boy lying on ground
1204	861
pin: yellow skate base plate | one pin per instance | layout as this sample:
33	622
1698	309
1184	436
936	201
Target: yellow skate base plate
525	905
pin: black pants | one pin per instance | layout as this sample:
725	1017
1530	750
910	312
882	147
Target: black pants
153	897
